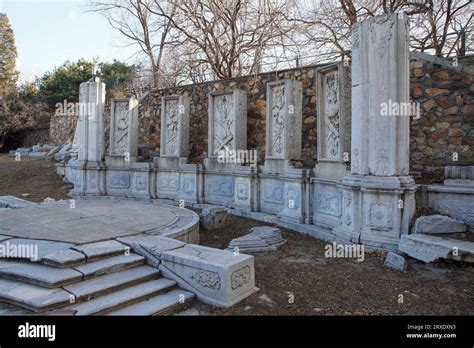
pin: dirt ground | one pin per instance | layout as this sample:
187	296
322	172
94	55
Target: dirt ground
33	179
298	279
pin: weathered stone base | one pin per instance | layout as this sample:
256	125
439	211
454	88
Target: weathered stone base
217	277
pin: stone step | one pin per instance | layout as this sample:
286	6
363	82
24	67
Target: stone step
108	283
429	248
165	304
65	259
104	249
123	298
109	265
37	274
32	297
193	311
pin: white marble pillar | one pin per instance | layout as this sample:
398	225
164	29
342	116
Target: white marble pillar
95	117
88	170
379	196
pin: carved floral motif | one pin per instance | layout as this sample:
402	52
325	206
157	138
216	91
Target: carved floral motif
172	124
242	190
207	279
273	193
380	215
221	186
121	130
328	202
140	183
278	119
331	115
240	277
120	181
168	183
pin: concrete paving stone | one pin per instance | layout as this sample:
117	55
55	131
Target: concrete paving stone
121	298
41	275
111	282
32	297
94	251
109	265
163	304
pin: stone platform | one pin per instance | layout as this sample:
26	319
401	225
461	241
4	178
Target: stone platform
82	221
113	256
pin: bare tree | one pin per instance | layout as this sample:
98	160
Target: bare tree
231	36
439	29
142	24
435	25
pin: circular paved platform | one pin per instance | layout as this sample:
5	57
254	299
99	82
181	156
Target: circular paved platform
96	220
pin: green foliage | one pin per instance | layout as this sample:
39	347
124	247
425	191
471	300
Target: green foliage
8	54
63	82
116	74
28	90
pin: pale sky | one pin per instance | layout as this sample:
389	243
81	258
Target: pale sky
49	32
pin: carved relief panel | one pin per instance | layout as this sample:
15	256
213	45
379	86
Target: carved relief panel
227	121
174	126
284	120
333	111
124	127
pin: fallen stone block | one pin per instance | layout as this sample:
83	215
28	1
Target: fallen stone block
14	202
213	218
431	248
151	247
395	261
64	153
22	151
435	224
262	238
37	154
217	277
53	151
